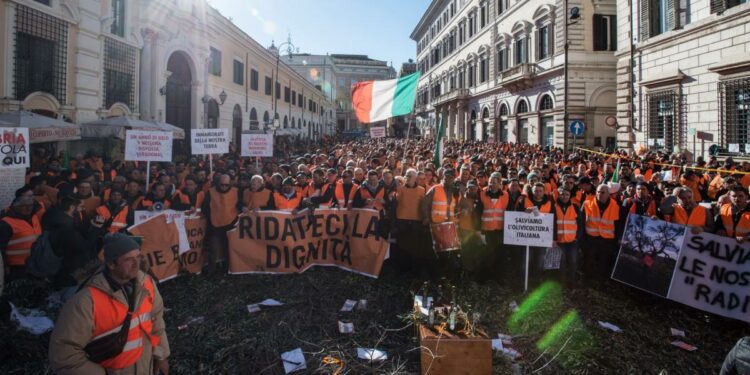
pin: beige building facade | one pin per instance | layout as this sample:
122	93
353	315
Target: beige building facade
177	61
494	69
690	64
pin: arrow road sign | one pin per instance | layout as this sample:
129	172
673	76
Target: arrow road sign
577	127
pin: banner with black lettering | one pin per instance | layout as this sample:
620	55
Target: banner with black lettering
161	245
279	242
702	270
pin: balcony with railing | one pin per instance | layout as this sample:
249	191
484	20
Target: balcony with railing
518	77
456	94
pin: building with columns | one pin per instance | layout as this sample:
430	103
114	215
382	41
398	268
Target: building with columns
690	64
495	69
177	61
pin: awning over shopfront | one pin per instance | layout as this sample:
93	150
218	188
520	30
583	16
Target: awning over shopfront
41	128
117	126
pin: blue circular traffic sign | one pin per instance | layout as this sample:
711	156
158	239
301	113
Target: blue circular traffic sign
577	127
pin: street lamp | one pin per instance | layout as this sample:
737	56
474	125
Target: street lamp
574	17
289	48
222	97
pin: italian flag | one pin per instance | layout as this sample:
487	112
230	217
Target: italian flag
375	101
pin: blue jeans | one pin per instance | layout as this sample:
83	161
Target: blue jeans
569	261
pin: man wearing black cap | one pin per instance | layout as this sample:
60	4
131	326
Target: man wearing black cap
114	323
287	199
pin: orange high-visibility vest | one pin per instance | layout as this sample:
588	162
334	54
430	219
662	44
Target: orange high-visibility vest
715	185
567	223
223	207
578	198
147	203
409	201
366	195
441	210
109	313
256	199
303	191
697	217
650	209
493	213
601	224
743	225
545	209
185	199
24	235
339	194
283	204
120	221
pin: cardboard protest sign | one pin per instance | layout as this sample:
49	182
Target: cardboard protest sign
528	229
705	271
209	141
177	216
257	145
713	274
279	242
14	148
377	132
160	246
141	145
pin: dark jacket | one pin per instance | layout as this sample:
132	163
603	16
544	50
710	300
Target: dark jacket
68	240
737	361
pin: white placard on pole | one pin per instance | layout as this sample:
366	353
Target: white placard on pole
377	132
14	148
528	229
148	145
257	145
209	141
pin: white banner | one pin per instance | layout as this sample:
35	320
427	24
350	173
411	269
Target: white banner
528	229
178	217
713	274
14	148
377	132
141	145
13	179
209	141
257	145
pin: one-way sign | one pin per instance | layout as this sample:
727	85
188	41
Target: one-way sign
577	127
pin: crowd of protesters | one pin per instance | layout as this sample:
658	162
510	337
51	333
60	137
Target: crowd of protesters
472	186
590	193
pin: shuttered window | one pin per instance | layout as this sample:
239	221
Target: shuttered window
605	32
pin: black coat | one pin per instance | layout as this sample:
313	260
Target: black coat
68	240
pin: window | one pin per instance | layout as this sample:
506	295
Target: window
546	103
41	49
215	64
300	102
717	6
504	131
483	70
269	85
543	40
471	75
461	79
239	73
483	16
461	33
118	14
548	131
605	32
664	129
471	25
119	73
520	50
503	110
660	16
286	94
45	2
278	90
502	59
734	111
501	6
294	97
523	107
254	79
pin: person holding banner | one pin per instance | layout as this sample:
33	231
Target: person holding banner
189	198
734	217
439	212
641	203
287	199
221	206
540	202
688	212
566	228
257	197
156	199
600	227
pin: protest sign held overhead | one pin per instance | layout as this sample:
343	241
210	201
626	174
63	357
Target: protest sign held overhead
279	242
704	270
209	141
143	145
14	148
257	145
377	132
528	229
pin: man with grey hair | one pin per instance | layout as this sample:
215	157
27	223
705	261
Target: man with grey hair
687	212
599	228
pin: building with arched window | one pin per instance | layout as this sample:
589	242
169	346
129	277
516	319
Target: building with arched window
505	61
